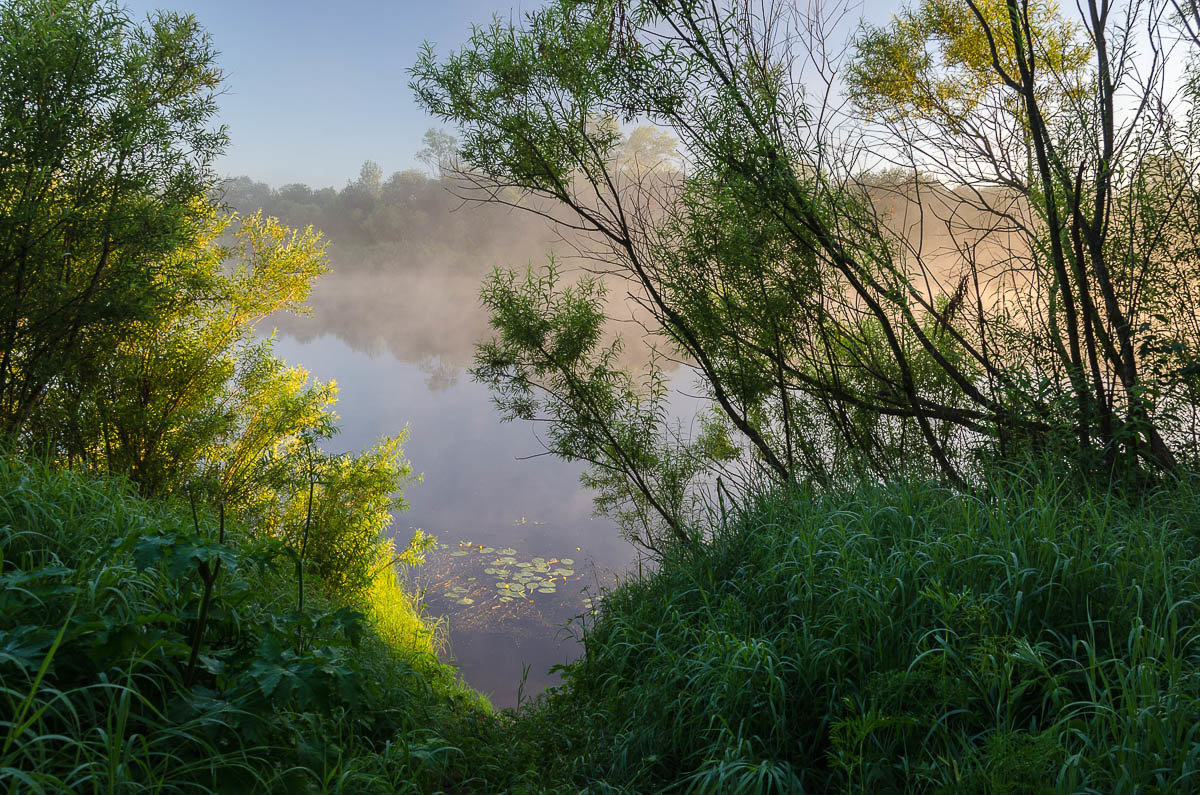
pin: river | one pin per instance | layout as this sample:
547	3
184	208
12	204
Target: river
519	553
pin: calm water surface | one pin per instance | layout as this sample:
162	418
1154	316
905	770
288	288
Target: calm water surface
519	551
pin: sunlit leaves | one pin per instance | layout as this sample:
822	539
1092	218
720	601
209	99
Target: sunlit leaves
352	507
106	151
940	58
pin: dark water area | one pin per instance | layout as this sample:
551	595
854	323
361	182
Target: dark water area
519	552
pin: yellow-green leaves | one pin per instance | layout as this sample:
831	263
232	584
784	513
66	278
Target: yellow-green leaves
274	267
939	59
106	153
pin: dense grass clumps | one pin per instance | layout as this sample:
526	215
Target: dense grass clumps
117	674
904	639
899	638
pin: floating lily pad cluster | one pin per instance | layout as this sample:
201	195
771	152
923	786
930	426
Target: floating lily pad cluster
459	593
514	579
519	579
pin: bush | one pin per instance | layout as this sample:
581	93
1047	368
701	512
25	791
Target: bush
107	685
903	639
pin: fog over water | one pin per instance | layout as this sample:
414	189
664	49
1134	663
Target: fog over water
394	324
474	489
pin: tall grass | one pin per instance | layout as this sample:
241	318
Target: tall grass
1038	638
903	639
99	600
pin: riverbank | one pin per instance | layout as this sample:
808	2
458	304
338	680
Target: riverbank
900	639
147	648
895	638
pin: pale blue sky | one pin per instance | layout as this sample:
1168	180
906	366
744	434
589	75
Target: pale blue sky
315	87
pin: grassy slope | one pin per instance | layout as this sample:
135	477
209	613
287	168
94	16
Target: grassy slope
901	639
99	591
895	639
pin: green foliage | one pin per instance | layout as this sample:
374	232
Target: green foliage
195	405
168	385
142	648
757	266
101	593
343	540
934	60
127	323
835	324
192	399
548	361
105	157
900	639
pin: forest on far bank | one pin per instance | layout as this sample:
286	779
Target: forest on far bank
411	249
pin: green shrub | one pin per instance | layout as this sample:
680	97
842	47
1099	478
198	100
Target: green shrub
903	639
107	684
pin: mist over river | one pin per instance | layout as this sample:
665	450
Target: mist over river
480	486
395	323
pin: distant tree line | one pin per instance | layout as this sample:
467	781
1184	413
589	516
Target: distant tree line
409	251
409	220
420	219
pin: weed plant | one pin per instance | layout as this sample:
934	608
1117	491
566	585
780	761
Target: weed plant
901	639
100	601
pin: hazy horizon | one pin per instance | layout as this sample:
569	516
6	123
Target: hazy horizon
310	92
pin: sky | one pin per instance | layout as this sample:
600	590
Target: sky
313	88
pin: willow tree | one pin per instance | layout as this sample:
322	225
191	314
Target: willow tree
106	152
1069	138
793	262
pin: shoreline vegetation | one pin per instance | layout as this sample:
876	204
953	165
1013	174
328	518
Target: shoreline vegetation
923	542
124	671
1039	637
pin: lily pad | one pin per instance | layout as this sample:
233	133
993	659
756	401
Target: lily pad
567	561
466	600
462	553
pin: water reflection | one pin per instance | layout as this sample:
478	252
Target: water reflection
480	481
